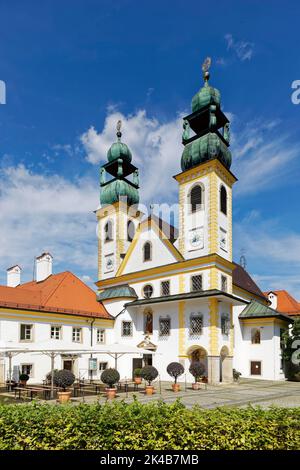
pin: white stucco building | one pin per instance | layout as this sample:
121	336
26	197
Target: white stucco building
175	292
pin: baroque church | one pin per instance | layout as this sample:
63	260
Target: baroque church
175	293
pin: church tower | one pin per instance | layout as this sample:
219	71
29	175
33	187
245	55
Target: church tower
118	215
205	183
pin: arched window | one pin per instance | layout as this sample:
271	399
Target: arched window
130	230
147	251
148	322
223	200
255	336
147	291
108	232
196	198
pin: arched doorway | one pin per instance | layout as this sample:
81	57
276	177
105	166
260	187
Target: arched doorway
225	365
198	354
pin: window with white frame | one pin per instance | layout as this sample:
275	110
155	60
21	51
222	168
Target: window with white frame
224	285
225	324
127	328
165	288
102	365
27	369
100	335
164	326
196	282
55	332
196	324
26	332
77	335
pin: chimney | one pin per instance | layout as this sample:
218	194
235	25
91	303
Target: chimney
43	266
273	299
13	276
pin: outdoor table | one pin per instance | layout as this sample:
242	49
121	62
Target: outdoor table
32	390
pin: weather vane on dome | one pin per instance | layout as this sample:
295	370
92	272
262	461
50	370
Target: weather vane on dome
205	68
119	125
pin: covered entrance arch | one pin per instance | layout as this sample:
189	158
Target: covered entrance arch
225	365
197	353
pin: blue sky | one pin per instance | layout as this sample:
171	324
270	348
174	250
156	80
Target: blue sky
72	68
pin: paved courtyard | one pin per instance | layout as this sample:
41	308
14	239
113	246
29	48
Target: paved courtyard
258	392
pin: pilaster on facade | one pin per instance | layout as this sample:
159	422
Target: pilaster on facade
213	327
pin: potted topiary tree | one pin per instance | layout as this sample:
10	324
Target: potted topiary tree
175	369
137	376
23	379
149	373
63	379
197	370
110	377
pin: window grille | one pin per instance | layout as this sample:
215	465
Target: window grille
196	198
164	326
225	325
224	283
126	328
196	283
165	288
196	324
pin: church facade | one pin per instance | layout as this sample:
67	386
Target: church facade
174	293
177	291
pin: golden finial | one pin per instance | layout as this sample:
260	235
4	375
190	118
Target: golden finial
205	68
119	125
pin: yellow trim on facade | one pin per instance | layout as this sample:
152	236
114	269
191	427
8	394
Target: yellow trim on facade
204	168
196	263
213	214
264	321
214	284
213	327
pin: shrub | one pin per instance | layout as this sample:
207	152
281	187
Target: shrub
48	376
149	373
137	372
24	377
110	377
153	426
63	379
197	369
175	369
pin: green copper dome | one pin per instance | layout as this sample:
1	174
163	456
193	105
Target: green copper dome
118	189
119	150
207	147
206	95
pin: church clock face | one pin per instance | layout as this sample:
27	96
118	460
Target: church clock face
109	263
196	238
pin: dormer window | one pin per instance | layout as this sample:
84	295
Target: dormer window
147	251
108	235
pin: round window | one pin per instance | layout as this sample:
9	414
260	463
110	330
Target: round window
148	291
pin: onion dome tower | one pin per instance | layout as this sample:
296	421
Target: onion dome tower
210	125
119	166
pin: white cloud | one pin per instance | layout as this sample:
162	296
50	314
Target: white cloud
242	49
46	212
156	149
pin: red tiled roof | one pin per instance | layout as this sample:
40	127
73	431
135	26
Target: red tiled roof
242	279
60	293
285	302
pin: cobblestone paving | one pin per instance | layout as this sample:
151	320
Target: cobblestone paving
257	392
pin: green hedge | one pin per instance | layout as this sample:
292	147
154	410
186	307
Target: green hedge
152	426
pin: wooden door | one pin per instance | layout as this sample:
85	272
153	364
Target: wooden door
255	368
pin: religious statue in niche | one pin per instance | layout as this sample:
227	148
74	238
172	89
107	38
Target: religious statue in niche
148	323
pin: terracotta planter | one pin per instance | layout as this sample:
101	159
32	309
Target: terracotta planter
196	386
111	393
149	389
138	380
23	382
176	387
204	380
64	397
